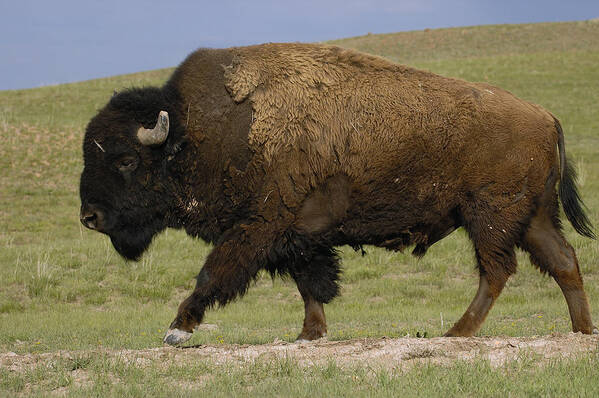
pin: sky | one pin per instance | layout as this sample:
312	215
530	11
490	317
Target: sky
50	42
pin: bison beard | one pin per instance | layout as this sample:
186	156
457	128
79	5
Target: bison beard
278	153
132	242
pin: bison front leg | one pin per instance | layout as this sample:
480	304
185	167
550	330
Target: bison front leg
316	272
227	273
315	323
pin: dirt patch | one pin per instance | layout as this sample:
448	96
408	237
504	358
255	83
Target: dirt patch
386	353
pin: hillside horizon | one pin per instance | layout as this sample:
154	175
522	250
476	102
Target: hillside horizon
414	45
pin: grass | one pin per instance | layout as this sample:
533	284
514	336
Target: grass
63	288
101	375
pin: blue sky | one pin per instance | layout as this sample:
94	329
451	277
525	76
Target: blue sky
50	42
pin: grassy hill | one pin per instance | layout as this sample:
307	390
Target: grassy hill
65	288
479	41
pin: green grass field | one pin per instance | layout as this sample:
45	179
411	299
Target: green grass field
65	288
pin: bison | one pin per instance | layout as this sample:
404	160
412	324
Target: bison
278	153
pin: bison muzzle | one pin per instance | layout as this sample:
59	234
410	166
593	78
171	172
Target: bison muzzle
278	153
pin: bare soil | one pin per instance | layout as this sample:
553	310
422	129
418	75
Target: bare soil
383	352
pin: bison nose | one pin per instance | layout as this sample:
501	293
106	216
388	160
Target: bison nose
91	218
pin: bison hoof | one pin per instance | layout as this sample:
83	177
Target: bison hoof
595	331
176	337
303	339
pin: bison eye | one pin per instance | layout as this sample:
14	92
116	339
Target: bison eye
127	164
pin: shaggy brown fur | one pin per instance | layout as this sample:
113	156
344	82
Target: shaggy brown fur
420	154
313	146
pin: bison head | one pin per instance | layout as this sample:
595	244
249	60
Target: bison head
124	189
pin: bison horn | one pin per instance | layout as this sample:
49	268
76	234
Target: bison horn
158	134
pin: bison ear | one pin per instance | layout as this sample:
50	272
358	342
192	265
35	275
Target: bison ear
158	134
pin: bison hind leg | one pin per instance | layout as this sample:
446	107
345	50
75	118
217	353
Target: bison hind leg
494	273
552	254
494	242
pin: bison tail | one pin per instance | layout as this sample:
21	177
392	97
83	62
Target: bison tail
568	192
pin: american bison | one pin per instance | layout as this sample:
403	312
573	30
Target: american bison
278	153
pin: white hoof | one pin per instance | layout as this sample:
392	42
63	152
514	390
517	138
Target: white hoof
176	337
595	331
